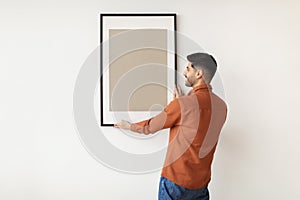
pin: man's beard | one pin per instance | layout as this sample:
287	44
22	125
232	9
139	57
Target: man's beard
188	83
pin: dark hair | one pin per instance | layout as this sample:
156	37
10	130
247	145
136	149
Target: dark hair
204	62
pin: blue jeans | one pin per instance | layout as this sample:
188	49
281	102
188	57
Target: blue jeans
169	190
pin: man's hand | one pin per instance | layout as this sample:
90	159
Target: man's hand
123	125
177	92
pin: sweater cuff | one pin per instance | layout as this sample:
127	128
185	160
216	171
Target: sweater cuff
133	127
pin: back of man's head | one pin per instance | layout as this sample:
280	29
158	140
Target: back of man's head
204	62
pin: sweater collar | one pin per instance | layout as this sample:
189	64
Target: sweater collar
202	87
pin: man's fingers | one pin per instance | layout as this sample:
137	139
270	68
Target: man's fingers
176	91
123	124
180	91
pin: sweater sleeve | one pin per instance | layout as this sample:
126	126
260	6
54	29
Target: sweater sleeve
168	118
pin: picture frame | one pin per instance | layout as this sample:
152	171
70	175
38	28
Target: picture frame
138	65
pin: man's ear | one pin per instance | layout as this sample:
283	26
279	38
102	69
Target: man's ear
199	74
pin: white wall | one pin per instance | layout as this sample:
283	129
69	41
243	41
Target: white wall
44	44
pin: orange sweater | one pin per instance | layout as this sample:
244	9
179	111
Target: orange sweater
195	122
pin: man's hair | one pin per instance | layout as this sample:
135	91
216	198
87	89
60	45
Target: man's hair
204	62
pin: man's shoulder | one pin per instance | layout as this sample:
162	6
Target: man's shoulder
188	102
218	102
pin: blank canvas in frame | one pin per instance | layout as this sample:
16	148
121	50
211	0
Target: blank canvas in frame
138	65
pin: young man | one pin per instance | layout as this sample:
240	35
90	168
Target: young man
195	121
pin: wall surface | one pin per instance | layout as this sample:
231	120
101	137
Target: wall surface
45	43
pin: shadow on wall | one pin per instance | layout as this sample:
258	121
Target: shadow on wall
230	164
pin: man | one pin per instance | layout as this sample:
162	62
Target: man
195	121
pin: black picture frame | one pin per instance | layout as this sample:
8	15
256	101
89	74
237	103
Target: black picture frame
103	17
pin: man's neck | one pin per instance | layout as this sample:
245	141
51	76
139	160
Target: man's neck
199	83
